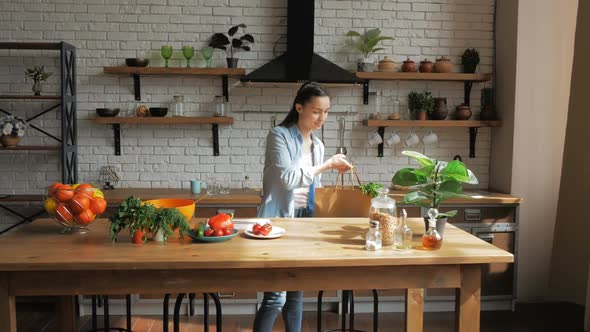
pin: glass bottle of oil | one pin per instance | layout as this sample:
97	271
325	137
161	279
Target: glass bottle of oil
402	234
432	239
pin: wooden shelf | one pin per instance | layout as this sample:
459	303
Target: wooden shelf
383	75
473	126
31	147
165	120
432	123
30	46
214	121
124	70
137	72
32	97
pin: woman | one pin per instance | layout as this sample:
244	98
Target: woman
292	168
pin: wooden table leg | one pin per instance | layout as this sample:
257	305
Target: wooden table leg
467	301
7	307
66	314
414	310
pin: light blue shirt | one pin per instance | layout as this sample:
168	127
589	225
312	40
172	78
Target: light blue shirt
284	170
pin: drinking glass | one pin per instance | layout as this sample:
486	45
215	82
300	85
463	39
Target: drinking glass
188	52
207	53
166	51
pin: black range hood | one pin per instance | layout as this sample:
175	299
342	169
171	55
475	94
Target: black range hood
300	63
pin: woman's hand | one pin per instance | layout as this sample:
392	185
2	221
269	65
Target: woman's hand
339	162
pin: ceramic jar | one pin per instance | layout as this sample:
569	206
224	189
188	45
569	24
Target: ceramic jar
386	64
463	112
443	65
440	111
426	66
409	66
9	141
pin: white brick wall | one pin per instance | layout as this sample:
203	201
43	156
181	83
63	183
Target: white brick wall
105	32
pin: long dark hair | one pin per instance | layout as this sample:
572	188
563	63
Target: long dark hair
304	94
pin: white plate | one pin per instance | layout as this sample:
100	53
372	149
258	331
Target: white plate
275	233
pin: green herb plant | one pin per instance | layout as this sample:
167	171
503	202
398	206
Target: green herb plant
371	188
132	214
367	42
168	220
434	182
421	102
37	74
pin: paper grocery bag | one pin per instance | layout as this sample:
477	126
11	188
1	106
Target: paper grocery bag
342	201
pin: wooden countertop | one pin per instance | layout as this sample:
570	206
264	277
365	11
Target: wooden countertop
252	197
333	242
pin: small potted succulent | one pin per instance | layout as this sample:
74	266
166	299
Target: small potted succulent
11	129
231	44
367	45
38	75
433	183
421	103
470	60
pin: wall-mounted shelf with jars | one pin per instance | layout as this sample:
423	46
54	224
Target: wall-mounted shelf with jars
473	126
215	121
137	72
468	79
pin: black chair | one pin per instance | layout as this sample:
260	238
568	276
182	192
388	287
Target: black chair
348	302
191	296
97	301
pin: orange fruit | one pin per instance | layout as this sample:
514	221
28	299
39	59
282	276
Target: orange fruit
62	213
86	189
63	193
79	203
98	205
51	191
85	217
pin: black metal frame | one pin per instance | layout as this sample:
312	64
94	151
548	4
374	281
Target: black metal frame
178	303
104	300
348	302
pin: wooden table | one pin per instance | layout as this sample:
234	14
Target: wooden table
315	254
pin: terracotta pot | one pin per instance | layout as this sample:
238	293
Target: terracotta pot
138	236
420	115
9	141
409	66
426	66
386	64
443	65
487	114
463	112
440	111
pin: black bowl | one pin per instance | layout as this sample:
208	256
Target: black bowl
158	111
107	112
137	62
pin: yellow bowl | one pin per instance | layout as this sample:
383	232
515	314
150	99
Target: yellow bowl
186	207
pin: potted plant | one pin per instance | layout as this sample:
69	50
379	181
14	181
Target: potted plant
433	183
165	222
231	44
367	45
38	75
11	129
421	103
134	215
470	60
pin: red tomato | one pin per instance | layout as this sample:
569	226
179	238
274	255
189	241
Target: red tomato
268	226
264	231
227	231
256	228
209	232
219	232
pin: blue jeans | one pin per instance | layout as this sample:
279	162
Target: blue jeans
290	303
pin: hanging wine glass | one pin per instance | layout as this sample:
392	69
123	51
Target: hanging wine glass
207	53
188	52
166	51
